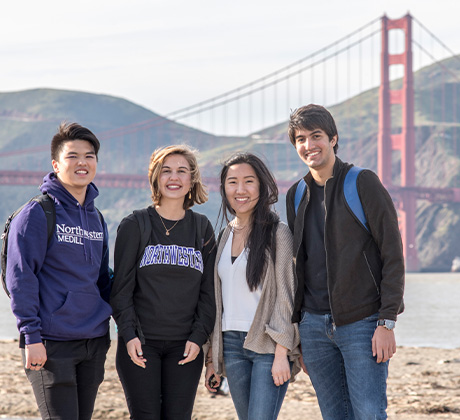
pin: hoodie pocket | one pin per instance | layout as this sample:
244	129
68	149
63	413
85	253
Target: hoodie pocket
83	315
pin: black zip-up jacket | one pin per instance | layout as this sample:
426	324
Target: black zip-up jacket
365	271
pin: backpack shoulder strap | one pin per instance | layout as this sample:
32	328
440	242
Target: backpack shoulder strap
101	217
145	227
201	226
350	191
49	208
299	194
47	204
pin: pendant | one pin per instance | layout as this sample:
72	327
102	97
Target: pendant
167	233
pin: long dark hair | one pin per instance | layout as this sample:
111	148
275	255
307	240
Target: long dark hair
263	219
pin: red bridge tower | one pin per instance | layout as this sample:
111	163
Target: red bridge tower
403	141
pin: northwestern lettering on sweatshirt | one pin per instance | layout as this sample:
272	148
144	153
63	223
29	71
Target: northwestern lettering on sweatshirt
76	234
172	255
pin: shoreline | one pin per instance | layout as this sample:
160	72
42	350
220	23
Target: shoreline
424	383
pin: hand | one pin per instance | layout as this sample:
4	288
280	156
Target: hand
134	348
209	372
383	344
192	350
35	356
281	370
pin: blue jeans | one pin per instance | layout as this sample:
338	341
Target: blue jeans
348	381
249	375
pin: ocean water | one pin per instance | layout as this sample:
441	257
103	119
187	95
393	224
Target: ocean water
430	318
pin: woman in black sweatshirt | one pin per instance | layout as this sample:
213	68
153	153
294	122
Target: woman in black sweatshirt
163	293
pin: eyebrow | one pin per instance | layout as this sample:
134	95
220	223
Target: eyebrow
71	152
318	130
180	167
247	176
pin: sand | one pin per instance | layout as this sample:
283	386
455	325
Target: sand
424	383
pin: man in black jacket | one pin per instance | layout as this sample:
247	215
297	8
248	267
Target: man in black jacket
350	277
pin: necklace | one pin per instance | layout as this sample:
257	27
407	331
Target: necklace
171	228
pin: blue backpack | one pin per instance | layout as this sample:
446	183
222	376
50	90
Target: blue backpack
350	191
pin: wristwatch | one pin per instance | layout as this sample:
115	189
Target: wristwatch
387	323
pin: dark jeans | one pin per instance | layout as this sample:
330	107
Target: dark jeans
163	390
66	387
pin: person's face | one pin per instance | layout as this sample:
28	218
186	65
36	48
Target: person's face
314	148
242	188
175	178
76	165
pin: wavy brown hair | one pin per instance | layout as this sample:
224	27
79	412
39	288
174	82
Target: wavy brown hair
199	195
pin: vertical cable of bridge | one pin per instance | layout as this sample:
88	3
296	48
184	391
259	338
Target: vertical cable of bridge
443	105
275	103
300	76
288	86
238	116
262	107
454	120
312	81
348	96
250	113
359	99
336	75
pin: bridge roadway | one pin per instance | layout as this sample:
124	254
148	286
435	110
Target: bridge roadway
106	180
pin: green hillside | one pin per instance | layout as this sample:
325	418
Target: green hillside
29	119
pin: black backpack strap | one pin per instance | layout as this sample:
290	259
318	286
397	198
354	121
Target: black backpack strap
101	217
48	207
145	228
201	226
47	204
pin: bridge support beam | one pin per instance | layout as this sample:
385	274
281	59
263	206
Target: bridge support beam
404	141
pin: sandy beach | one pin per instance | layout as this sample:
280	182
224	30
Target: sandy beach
424	383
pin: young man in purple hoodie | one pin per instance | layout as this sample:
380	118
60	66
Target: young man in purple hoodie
60	288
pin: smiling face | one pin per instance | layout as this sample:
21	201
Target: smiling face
315	149
76	166
175	180
242	188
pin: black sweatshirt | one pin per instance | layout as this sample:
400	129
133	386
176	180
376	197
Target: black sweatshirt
169	293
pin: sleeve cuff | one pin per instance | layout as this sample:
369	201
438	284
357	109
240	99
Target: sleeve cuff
33	338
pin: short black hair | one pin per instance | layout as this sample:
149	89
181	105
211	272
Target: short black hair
311	117
70	132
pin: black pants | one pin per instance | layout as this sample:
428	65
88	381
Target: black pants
66	387
163	390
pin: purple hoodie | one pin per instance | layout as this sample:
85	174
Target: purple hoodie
61	291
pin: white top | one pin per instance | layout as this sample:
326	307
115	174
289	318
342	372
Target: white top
239	303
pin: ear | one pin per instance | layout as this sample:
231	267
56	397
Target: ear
55	165
334	141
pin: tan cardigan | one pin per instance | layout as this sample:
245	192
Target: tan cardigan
272	320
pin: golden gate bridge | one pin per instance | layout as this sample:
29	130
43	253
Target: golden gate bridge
377	54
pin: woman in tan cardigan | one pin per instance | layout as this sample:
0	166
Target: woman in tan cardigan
254	342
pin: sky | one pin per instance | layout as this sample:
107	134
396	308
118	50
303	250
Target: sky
166	55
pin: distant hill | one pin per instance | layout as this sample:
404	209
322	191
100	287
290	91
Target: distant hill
28	119
437	98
